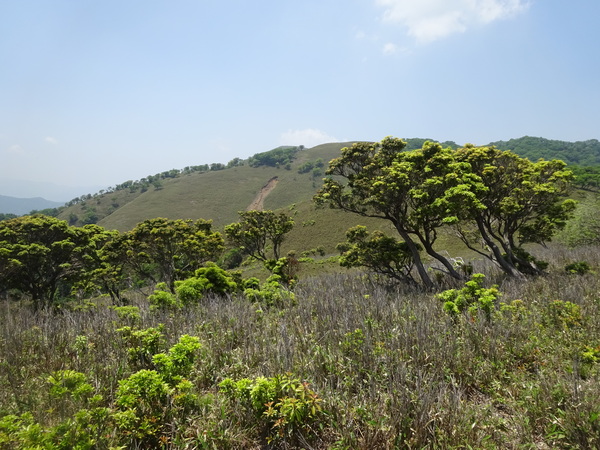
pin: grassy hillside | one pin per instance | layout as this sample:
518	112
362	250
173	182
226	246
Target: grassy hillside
219	194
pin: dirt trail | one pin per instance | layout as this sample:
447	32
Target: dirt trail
258	202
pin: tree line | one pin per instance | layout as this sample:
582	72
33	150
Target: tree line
47	259
494	201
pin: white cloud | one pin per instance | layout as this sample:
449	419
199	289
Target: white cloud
308	137
429	20
51	140
389	49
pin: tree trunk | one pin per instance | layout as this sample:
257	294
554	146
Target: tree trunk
414	250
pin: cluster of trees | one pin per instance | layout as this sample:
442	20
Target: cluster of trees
586	177
583	153
494	200
47	259
278	157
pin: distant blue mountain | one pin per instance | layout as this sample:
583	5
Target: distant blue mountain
20	206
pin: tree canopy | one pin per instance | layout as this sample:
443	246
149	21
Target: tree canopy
166	250
40	254
259	231
507	199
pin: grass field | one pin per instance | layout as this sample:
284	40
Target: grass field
385	367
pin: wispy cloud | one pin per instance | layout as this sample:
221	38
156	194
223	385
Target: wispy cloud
15	149
51	140
429	20
308	137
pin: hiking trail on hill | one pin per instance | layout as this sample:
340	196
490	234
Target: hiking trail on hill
258	202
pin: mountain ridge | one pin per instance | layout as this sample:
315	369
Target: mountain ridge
20	206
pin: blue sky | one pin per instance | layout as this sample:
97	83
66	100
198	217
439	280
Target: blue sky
93	93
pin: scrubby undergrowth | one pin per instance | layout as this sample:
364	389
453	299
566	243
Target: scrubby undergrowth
349	364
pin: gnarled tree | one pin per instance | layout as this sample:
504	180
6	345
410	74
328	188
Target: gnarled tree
516	202
414	190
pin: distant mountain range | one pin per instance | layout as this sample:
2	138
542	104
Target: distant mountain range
55	192
20	206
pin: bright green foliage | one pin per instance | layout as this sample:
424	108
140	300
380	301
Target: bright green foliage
106	266
489	195
163	299
210	279
128	314
380	253
164	250
562	315
471	298
514	202
178	362
272	292
68	383
86	430
143	344
257	230
42	256
285	268
142	401
288	407
590	354
417	191
149	399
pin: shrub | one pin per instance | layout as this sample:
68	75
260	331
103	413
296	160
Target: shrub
578	268
142	402
271	293
472	298
163	299
287	407
209	279
562	315
143	344
178	362
129	314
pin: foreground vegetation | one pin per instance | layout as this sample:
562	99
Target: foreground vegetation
346	363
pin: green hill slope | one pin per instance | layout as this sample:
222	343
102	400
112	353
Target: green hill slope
217	192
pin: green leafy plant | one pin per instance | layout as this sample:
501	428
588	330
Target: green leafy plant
471	298
128	314
271	293
288	407
179	360
562	315
210	279
163	299
143	344
142	402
